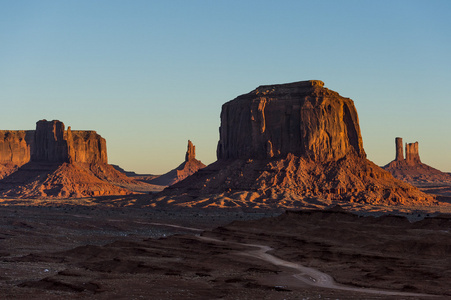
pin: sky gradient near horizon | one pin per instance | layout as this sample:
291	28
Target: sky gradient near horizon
149	75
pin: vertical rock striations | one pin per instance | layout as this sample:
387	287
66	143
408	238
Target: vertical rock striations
301	118
412	155
399	151
190	152
15	146
50	143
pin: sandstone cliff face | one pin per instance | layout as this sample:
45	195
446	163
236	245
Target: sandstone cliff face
301	118
399	152
50	142
86	147
15	146
412	155
15	149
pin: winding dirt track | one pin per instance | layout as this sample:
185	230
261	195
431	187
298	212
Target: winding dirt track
307	275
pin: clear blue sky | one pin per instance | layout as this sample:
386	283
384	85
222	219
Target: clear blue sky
149	75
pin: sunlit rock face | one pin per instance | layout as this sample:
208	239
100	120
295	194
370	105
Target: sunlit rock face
15	146
302	118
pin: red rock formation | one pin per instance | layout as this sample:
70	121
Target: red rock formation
50	144
288	146
88	147
399	152
15	148
413	171
412	155
301	118
52	162
190	166
190	152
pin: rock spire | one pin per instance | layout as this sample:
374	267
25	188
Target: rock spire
190	152
399	149
412	155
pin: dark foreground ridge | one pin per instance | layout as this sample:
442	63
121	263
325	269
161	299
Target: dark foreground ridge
386	253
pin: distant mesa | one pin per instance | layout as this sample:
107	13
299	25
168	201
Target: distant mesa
190	166
290	145
413	171
51	162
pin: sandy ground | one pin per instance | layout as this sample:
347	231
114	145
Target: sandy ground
105	248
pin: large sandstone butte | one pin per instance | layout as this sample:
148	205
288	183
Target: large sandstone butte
290	145
53	162
302	118
190	166
413	171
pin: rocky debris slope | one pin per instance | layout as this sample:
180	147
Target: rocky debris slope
290	145
190	166
53	162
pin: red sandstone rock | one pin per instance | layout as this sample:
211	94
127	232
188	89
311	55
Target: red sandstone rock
288	146
15	148
412	155
413	171
51	143
301	118
399	152
51	162
190	166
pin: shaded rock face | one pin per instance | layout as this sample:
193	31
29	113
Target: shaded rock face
50	144
301	118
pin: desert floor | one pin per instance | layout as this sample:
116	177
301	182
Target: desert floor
111	248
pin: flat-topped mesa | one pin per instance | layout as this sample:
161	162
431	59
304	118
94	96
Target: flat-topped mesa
399	149
51	143
302	118
190	152
54	144
412	154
